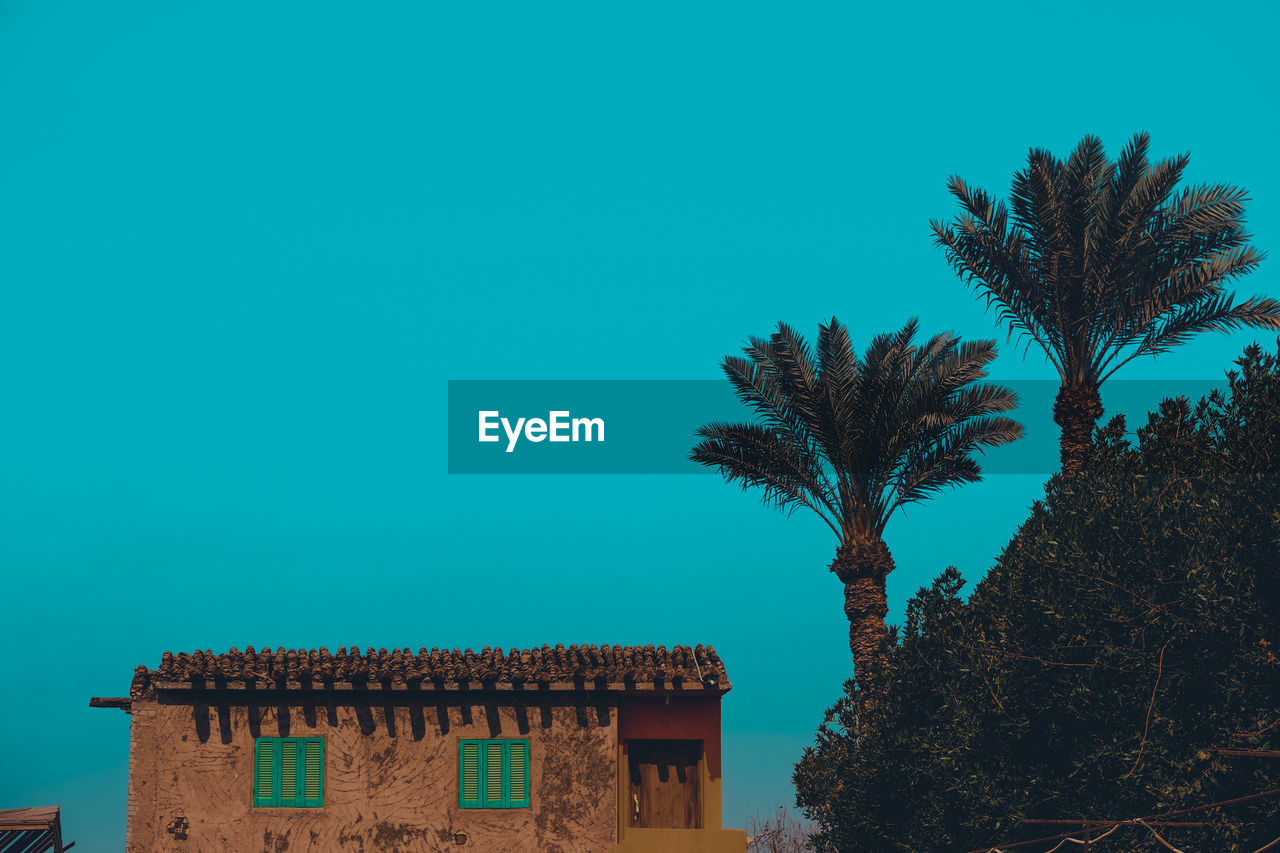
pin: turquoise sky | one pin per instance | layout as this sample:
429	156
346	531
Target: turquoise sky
243	247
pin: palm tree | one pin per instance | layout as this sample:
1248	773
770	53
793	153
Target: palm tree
853	440
1102	262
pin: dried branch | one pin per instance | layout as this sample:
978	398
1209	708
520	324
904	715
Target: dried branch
1150	707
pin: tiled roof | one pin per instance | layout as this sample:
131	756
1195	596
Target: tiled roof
612	667
38	828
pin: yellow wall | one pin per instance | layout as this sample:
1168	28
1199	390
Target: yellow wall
683	841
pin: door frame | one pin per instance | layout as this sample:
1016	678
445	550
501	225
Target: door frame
624	780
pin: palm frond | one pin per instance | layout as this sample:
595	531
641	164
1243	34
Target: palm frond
947	460
759	384
758	457
1180	288
839	374
997	262
1217	314
846	436
1098	261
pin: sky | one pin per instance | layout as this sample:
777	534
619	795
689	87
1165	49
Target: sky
244	247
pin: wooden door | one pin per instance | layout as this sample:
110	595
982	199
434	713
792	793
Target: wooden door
664	792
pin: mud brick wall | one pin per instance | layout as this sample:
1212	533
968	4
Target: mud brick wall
391	778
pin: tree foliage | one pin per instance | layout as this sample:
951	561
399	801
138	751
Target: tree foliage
854	439
1100	262
1129	629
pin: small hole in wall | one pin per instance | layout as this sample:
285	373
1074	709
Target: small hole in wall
459	838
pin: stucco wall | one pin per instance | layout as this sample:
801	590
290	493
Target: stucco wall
391	779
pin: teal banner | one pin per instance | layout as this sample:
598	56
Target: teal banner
640	426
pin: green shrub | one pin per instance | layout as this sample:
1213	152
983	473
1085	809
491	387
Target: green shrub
1128	630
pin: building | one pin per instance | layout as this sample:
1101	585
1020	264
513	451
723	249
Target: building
580	749
32	830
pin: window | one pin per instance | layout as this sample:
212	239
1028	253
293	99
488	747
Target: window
493	774
288	771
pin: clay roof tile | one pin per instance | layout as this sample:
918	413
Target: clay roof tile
694	666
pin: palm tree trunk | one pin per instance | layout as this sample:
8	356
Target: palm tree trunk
1076	409
862	566
866	606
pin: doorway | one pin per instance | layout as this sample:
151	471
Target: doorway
664	790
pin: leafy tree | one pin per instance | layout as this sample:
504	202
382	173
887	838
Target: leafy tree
855	439
1128	630
1100	262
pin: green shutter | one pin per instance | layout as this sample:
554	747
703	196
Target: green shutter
518	774
493	774
264	772
493	793
313	766
469	774
288	771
